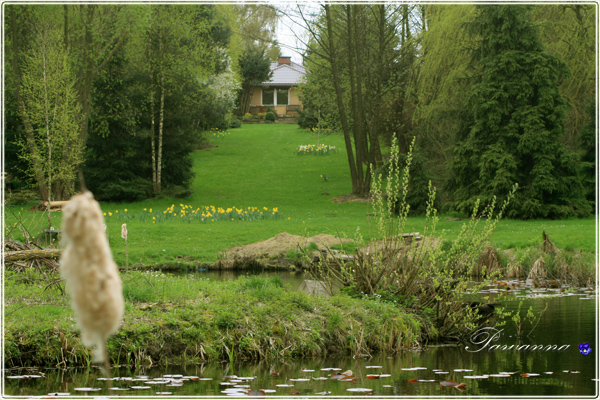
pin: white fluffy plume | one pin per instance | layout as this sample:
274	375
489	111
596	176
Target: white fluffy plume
90	273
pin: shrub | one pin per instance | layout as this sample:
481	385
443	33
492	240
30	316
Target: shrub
261	115
235	123
21	197
429	277
307	120
270	116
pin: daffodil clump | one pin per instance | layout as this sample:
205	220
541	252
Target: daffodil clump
321	149
216	133
124	215
187	213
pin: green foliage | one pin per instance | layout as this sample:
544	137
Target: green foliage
50	101
516	124
588	155
235	123
426	276
270	116
307	119
255	68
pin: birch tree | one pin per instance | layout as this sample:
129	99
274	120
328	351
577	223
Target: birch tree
50	105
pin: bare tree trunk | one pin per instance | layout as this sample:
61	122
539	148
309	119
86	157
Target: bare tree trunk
339	95
160	133
48	136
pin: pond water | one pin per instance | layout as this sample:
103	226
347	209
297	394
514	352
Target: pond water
568	321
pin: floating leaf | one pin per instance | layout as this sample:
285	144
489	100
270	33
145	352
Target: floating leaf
141	387
285	385
58	394
164	393
373	366
373	377
441	372
307	370
268	390
499	376
293	392
299	380
427	380
463	370
359	390
414	380
87	389
529	375
320	378
275	373
323	393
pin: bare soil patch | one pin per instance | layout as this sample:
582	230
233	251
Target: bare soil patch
350	198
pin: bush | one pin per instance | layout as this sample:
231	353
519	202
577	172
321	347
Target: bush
247	117
21	197
235	123
270	116
307	120
261	115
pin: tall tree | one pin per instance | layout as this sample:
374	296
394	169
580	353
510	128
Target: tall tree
256	25
43	85
255	68
513	134
358	46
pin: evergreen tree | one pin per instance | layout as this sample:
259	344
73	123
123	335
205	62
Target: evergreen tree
516	121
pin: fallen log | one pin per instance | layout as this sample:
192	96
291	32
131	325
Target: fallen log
31	254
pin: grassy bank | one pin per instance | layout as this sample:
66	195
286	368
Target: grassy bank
179	320
258	166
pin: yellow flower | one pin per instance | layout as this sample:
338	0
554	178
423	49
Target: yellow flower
150	210
109	214
144	209
153	222
153	217
104	214
117	211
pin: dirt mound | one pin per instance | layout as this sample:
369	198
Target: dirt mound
280	244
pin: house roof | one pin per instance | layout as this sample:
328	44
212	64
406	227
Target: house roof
286	74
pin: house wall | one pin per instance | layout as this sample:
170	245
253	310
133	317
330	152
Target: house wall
294	100
256	100
255	96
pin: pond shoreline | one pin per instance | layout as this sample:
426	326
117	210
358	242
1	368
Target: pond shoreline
251	318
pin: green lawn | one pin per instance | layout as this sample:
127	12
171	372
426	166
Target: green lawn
257	166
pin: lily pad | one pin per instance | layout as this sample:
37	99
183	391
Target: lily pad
359	390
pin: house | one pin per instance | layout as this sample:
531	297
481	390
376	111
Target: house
281	92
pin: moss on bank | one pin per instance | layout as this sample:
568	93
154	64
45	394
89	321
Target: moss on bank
179	320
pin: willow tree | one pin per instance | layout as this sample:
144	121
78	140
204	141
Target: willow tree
516	122
568	32
358	46
440	82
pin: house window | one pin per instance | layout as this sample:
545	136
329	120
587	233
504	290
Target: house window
268	96
282	97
